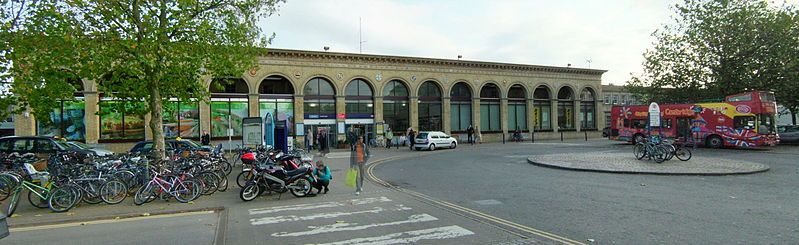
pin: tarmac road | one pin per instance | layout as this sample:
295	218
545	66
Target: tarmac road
613	208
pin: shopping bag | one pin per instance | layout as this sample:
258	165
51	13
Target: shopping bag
352	175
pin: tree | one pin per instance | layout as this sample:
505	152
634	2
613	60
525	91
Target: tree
137	50
720	47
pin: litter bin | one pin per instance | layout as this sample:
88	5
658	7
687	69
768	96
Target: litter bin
3	226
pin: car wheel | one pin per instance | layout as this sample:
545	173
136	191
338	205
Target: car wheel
453	145
432	147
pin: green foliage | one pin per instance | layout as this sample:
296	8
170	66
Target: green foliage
136	50
720	47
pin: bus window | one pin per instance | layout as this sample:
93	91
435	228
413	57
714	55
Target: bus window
743	97
767	97
666	123
744	122
639	123
766	124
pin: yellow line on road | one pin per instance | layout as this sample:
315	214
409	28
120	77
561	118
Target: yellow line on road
96	222
540	233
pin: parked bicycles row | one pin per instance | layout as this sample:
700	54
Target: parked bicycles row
661	150
68	177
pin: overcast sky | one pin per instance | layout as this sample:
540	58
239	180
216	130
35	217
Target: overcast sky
612	34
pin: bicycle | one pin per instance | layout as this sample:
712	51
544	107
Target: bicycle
651	150
180	187
58	199
677	150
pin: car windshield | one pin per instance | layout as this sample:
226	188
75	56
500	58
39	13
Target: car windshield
62	144
191	143
422	136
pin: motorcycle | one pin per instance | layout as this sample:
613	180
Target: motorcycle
276	178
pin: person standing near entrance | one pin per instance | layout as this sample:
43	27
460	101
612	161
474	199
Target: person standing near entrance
411	137
351	137
309	140
206	138
389	138
470	133
322	142
358	159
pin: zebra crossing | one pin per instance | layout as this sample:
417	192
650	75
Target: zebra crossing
367	220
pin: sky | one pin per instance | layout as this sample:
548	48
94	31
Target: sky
607	35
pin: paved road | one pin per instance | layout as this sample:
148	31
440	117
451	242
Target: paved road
613	208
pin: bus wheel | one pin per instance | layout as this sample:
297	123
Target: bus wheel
714	141
638	138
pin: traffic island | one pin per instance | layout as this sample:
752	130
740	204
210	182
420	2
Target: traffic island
621	162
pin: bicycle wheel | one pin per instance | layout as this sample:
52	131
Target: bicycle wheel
659	154
36	200
127	177
223	183
144	194
243	178
187	191
226	166
683	154
113	191
7	185
13	203
640	151
91	192
63	199
209	181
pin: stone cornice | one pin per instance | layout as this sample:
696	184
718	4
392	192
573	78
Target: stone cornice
403	60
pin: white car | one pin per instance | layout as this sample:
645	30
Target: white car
434	139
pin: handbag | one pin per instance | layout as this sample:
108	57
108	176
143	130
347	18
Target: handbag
352	175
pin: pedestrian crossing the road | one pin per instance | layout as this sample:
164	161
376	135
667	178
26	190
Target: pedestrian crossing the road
370	220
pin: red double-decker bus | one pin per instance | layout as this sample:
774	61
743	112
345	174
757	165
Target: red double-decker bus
744	120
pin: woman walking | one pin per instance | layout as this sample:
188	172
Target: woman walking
358	160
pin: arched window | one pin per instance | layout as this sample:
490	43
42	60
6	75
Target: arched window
276	96
430	107
460	107
565	109
359	99
517	108
587	109
542	107
228	106
67	120
489	109
320	99
395	106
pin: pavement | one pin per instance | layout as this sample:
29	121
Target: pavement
625	162
379	215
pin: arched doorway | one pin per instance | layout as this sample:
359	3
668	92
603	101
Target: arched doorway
228	106
359	108
587	109
542	108
276	96
395	106
430	107
565	109
517	108
320	109
490	120
460	107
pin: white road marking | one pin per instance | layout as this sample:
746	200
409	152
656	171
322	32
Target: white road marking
349	227
289	218
445	232
309	206
488	202
338	155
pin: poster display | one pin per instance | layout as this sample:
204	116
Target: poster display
252	128
120	120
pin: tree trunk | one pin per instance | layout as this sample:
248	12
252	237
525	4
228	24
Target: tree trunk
793	115
157	121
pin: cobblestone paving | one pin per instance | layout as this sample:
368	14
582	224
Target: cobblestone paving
623	162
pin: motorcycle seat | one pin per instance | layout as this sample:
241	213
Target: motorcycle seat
298	171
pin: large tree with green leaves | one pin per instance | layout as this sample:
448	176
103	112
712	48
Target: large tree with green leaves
716	48
135	50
